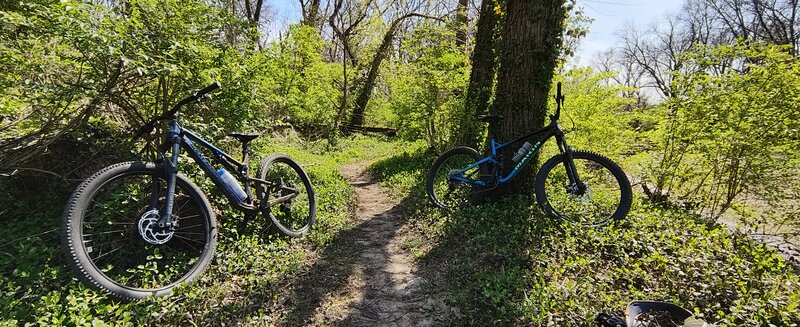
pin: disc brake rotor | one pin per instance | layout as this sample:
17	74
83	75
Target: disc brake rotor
149	230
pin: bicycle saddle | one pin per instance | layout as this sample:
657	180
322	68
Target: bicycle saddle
489	118
244	138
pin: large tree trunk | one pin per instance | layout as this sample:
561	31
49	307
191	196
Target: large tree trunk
481	80
531	45
357	117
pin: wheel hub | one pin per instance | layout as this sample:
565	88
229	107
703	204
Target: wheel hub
576	190
149	230
283	189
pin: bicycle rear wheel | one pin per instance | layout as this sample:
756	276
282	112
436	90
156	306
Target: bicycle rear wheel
445	191
294	207
607	195
112	240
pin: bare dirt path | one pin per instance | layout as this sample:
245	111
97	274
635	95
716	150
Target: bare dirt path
367	277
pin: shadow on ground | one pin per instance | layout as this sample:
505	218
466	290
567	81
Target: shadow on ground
336	274
480	251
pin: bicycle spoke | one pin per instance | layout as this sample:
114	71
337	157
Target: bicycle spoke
592	206
187	217
105	254
112	239
187	227
107	232
110	223
190	240
191	233
112	242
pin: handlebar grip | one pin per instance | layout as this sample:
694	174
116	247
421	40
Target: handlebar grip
207	90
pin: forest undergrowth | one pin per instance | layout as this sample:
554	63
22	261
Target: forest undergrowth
504	263
507	264
248	281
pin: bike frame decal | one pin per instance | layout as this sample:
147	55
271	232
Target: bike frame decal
186	139
549	131
522	163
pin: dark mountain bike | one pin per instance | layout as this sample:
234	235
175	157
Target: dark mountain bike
578	186
137	229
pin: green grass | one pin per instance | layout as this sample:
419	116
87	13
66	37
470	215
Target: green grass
503	263
509	265
248	281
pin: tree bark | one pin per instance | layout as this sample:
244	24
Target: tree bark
532	39
253	13
462	21
481	80
310	11
360	106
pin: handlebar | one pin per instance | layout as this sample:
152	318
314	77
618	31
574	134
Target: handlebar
559	102
213	87
196	97
558	92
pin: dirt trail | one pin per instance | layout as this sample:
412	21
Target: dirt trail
367	277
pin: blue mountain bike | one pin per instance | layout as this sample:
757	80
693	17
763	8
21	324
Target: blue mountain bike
577	186
138	229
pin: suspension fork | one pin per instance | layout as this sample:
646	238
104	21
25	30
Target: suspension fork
171	172
575	183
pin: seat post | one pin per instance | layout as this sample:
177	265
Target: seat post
245	139
245	150
245	169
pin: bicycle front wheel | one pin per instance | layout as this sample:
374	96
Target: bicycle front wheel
111	236
287	198
444	183
606	197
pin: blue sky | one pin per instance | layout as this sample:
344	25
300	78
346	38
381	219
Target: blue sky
611	15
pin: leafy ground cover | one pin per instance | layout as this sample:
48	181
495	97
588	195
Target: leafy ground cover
246	283
509	265
504	264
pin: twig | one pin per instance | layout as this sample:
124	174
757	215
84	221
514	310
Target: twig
28	237
42	171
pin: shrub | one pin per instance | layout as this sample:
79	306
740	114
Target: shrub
730	132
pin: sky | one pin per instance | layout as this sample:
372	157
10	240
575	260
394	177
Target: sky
612	15
609	17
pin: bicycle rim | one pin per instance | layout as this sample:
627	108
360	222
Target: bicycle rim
595	205
122	242
448	191
294	216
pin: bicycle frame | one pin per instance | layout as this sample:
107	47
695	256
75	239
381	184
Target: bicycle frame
179	137
551	130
